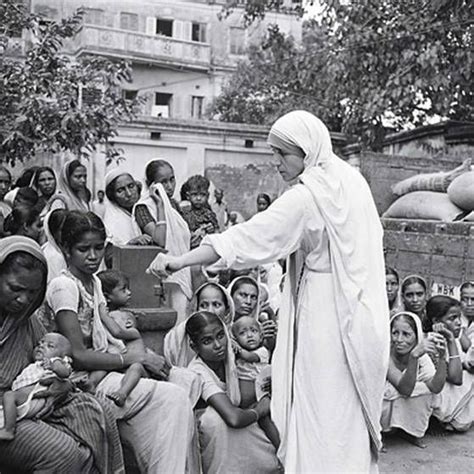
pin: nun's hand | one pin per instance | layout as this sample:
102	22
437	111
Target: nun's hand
163	265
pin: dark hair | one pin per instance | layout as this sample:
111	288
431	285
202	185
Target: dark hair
393	272
110	279
73	165
39	171
77	223
198	321
7	171
26	178
411	280
153	168
110	188
183	192
19	217
408	320
203	287
27	194
437	307
465	285
55	223
265	197
244	280
197	183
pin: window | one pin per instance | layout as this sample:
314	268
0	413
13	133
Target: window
198	32
128	21
94	16
197	102
162	105
237	40
164	27
129	94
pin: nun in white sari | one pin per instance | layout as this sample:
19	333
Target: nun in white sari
332	349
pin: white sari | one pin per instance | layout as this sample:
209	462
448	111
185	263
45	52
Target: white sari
332	349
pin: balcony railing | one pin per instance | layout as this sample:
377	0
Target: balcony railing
142	47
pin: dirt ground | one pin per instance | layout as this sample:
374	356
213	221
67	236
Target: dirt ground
449	453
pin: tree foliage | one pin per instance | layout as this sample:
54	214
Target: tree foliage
45	99
362	66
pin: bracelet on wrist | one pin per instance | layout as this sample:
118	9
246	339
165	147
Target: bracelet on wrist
457	356
122	362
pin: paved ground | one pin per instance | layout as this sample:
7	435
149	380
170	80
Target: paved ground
450	453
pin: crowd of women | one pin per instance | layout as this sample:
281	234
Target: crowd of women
431	369
208	403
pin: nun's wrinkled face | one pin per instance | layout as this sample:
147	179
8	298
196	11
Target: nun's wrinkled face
290	166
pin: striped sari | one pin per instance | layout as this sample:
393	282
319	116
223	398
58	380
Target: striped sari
81	434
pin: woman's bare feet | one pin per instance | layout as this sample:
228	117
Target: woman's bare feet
418	442
118	398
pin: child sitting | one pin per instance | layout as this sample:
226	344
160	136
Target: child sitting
454	406
251	357
201	219
52	359
121	323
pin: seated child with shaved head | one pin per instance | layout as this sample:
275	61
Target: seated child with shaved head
52	360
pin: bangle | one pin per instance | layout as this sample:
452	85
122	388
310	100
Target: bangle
455	357
122	362
160	223
256	414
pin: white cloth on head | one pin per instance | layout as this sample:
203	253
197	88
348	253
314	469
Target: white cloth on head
120	224
326	221
52	252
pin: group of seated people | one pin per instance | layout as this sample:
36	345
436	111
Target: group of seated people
78	384
431	368
75	372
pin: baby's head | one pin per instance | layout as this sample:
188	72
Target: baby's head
51	345
247	332
116	288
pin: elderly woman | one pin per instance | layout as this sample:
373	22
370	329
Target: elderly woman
333	335
122	194
75	436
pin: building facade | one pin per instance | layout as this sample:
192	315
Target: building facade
181	52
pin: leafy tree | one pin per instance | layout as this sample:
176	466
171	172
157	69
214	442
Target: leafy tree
362	66
53	102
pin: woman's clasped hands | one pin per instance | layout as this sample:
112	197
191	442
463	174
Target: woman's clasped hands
434	344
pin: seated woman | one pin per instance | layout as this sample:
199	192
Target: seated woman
75	434
230	438
210	297
52	226
245	293
157	215
44	181
414	294
122	194
158	415
412	378
392	283
454	406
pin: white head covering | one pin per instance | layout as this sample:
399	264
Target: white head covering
120	224
358	271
